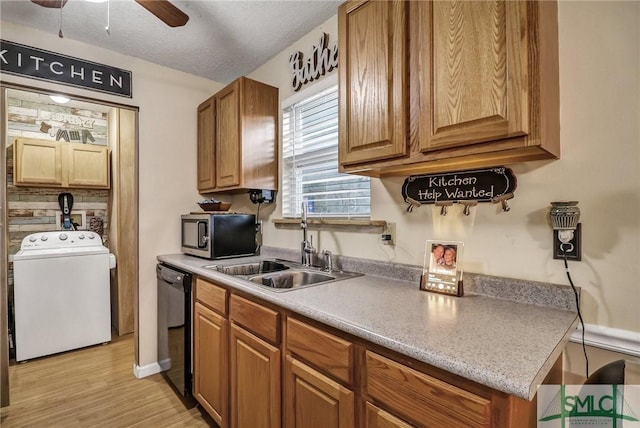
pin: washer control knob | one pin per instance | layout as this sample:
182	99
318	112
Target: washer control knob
33	239
91	236
44	238
63	236
81	236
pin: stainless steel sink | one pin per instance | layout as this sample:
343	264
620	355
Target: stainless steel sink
291	279
281	275
265	266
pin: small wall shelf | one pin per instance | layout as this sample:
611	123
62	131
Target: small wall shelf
332	222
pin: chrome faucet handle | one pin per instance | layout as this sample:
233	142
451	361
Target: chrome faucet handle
308	246
328	260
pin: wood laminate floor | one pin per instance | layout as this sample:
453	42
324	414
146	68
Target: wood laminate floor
93	387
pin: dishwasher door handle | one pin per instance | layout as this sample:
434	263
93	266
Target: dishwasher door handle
171	277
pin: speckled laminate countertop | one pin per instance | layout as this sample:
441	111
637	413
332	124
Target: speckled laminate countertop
504	344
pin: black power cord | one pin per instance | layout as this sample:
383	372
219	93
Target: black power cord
575	293
258	229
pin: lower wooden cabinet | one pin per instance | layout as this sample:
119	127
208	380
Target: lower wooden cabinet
263	367
313	400
421	398
211	368
378	418
255	381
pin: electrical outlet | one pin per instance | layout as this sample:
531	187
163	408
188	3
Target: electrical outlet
572	250
388	234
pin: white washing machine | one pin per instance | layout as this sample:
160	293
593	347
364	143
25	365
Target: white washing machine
61	293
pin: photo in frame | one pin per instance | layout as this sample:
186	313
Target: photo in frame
442	271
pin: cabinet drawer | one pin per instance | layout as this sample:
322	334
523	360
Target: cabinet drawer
323	350
259	320
211	295
422	398
378	418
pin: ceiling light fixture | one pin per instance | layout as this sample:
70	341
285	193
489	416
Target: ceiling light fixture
59	99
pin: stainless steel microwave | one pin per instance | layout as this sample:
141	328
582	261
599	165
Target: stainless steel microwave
219	236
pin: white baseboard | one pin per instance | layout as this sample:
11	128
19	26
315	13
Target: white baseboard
148	369
165	364
612	339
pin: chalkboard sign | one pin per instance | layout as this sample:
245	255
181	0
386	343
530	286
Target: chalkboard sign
482	185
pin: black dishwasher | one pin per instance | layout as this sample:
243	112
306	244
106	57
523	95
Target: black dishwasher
175	330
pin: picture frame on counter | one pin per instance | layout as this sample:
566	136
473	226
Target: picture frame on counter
442	270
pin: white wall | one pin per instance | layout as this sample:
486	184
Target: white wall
599	167
167	101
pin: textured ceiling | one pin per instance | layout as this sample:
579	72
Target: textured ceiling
223	39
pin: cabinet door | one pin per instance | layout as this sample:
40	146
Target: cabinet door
87	165
206	149
313	400
211	382
228	136
255	381
373	80
473	85
37	162
378	418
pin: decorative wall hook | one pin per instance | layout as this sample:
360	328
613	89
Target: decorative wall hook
444	205
503	200
412	204
467	206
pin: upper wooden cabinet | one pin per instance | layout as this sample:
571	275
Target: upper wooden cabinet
373	81
238	138
206	149
60	164
447	85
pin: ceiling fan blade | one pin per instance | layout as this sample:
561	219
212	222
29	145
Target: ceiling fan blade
165	11
55	4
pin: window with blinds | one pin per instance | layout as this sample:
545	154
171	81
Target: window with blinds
310	162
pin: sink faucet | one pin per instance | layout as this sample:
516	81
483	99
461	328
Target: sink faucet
306	246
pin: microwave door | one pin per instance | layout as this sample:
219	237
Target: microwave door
195	234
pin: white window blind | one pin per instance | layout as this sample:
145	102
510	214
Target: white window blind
310	162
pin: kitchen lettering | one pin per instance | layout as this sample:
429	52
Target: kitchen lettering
56	67
40	64
454	181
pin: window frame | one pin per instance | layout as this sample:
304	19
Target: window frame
287	205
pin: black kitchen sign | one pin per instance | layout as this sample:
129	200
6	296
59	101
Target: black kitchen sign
46	65
482	185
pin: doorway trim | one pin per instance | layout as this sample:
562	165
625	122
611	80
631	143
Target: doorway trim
129	175
4	231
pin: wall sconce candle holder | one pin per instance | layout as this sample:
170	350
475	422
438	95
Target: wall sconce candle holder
566	230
